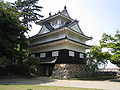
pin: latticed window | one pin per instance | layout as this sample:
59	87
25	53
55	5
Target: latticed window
37	54
62	22
55	53
42	55
54	23
81	55
71	53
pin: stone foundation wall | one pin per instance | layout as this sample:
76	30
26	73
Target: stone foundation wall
66	71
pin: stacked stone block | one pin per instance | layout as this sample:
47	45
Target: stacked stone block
67	71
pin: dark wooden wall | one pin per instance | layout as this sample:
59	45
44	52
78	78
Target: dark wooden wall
64	57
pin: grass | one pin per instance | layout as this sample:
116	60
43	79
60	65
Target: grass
36	87
95	78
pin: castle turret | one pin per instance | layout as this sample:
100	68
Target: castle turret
59	43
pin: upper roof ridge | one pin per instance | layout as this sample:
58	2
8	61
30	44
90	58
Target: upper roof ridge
63	13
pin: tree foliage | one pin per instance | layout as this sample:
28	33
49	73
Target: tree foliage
96	58
112	43
15	20
29	11
10	32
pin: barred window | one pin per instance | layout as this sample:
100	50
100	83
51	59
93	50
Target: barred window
71	53
62	22
42	55
54	23
37	54
55	53
81	55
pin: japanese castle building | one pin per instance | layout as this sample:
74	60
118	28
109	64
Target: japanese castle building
60	46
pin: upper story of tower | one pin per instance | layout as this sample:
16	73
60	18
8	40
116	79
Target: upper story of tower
60	20
59	27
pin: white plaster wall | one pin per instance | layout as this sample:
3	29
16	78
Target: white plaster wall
55	36
74	47
57	46
50	37
76	38
49	47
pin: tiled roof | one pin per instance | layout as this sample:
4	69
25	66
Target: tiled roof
59	29
68	24
63	13
60	40
48	26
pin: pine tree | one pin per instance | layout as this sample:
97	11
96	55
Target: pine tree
10	32
29	11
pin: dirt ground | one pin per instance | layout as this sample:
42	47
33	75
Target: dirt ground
113	84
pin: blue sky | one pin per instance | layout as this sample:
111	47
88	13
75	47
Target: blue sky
95	16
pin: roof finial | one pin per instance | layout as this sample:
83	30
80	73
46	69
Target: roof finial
65	7
49	13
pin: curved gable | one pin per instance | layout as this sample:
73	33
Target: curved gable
76	27
43	30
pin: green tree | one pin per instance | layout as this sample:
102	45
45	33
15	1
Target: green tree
14	22
96	58
112	43
29	11
10	32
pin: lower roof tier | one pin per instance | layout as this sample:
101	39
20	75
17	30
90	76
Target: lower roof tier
59	44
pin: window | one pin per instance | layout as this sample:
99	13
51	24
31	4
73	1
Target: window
55	53
81	55
42	55
62	22
71	53
37	54
54	23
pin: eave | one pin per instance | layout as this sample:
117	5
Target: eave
61	29
82	35
78	43
65	39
